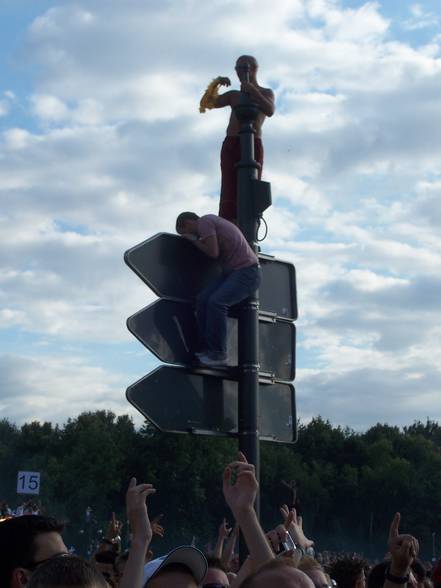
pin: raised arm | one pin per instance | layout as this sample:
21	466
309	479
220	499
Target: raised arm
141	533
294	526
240	489
222	535
403	550
228	552
211	98
114	532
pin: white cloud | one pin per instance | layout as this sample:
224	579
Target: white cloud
420	19
6	102
34	388
369	394
361	25
49	108
117	148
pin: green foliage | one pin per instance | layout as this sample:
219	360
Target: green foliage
349	484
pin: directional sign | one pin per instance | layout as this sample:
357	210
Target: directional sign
173	268
178	400
169	330
278	292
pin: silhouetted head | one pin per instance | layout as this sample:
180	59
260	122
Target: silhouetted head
246	65
187	223
69	571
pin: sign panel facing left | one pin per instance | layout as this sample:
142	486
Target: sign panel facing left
173	268
168	329
177	400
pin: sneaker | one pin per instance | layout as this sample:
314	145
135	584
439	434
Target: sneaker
199	354
208	361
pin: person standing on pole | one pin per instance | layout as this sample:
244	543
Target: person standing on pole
219	239
246	69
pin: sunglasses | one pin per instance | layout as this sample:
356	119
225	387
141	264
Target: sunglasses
32	566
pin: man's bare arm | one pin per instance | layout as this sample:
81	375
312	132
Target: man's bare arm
226	99
403	550
209	99
141	533
264	99
240	493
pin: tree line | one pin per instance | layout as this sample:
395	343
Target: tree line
349	484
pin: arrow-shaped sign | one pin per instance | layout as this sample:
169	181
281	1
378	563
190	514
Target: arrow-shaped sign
169	330
173	268
177	400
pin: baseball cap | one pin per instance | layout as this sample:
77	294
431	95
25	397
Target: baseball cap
187	555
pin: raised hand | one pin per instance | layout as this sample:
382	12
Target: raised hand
292	486
403	548
137	510
224	530
141	533
114	528
240	485
223	81
157	528
276	537
240	488
248	87
294	525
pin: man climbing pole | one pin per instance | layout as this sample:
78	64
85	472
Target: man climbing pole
222	240
246	69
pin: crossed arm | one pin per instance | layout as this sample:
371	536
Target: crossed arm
264	98
209	245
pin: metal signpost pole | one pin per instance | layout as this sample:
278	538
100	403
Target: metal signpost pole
253	398
248	339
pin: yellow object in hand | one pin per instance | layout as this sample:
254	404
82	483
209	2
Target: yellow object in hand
208	100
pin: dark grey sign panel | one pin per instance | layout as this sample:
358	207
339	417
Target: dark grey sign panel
177	400
169	330
278	292
173	268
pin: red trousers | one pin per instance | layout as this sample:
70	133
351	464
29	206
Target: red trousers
230	155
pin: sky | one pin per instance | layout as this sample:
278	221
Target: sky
102	145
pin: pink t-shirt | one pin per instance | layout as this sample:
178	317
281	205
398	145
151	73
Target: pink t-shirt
234	251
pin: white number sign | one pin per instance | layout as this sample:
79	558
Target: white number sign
28	483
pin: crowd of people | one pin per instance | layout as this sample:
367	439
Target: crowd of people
33	553
26	507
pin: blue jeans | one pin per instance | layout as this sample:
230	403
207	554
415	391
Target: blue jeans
213	302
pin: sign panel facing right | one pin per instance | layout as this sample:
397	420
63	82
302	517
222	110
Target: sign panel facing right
177	400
